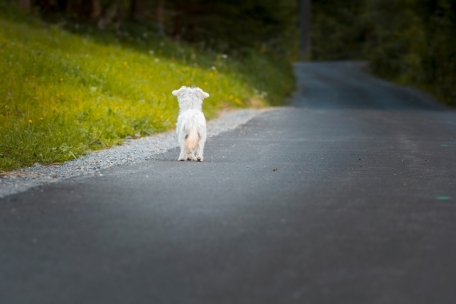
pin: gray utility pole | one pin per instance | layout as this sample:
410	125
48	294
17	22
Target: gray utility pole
304	24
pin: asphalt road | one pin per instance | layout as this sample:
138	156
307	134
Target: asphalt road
347	196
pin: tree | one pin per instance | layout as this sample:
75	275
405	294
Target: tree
304	22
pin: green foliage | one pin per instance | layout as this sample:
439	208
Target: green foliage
238	24
410	42
336	34
65	93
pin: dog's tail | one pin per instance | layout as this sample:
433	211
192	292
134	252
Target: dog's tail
192	138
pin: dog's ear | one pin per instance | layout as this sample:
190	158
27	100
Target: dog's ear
178	92
202	94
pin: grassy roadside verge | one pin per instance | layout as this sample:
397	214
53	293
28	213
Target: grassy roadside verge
65	93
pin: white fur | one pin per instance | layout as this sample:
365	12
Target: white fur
191	123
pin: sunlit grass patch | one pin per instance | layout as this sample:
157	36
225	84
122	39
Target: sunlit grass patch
63	94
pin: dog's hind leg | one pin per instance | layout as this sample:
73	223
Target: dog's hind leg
183	155
183	152
200	149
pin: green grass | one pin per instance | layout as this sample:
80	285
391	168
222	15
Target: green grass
66	92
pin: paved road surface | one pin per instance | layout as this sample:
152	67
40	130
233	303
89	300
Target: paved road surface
361	209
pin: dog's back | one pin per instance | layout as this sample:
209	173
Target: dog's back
191	126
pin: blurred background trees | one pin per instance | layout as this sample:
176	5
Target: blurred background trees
409	41
225	25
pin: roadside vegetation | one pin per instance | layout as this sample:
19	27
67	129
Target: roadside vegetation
410	42
69	88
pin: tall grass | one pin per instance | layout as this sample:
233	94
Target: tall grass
63	94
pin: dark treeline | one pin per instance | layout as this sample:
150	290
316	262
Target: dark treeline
409	41
224	24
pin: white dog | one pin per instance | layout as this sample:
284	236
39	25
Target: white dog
191	123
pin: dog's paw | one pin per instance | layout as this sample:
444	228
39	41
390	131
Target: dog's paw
200	159
181	159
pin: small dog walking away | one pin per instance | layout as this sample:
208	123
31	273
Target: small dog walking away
191	123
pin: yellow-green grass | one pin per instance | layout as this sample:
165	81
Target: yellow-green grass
63	94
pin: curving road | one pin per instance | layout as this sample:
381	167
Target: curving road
347	196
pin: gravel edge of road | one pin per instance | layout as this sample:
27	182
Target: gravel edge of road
131	152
